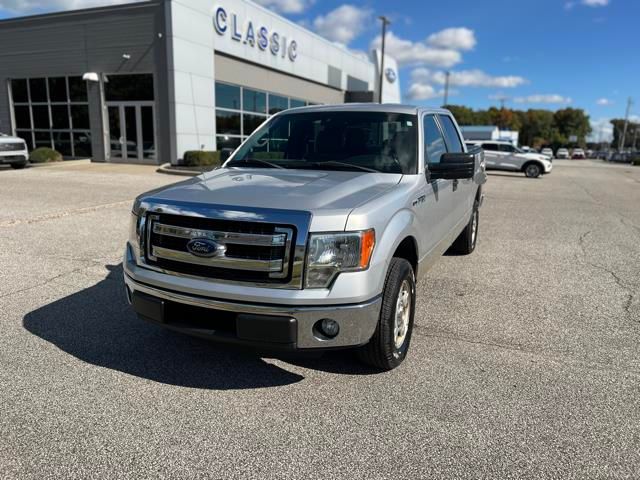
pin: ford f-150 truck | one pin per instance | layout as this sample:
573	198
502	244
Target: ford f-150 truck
313	233
13	151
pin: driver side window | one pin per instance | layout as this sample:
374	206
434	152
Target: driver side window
434	144
506	148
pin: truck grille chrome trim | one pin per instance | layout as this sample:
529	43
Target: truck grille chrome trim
12	147
278	240
256	247
220	261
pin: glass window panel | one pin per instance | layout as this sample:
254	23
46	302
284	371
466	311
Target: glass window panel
60	116
129	88
40	116
38	87
19	91
26	136
23	120
80	116
131	131
43	139
228	142
58	89
227	96
82	144
277	103
454	144
251	122
434	142
115	132
77	89
253	101
148	136
62	143
297	103
227	122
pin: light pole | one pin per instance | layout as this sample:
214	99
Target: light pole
385	21
626	125
446	88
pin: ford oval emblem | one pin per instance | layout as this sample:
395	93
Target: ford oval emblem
391	75
203	247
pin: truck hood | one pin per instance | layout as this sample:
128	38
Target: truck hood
323	193
8	139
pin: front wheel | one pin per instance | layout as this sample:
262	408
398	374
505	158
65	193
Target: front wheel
533	170
19	166
389	345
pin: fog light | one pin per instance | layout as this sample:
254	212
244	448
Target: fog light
329	327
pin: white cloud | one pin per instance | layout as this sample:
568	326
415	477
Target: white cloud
604	102
286	6
454	38
407	52
422	91
33	6
343	24
601	130
544	98
589	3
467	78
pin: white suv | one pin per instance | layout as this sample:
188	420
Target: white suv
13	150
502	155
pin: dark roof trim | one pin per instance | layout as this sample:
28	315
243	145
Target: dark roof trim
64	15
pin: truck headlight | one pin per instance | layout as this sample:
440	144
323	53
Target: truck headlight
134	234
332	253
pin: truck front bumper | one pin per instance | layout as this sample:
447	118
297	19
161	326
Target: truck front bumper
20	156
263	326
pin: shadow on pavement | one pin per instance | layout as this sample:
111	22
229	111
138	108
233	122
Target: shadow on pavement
96	325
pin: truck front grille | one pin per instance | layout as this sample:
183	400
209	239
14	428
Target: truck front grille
11	147
248	251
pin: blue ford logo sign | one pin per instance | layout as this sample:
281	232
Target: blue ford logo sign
203	247
391	75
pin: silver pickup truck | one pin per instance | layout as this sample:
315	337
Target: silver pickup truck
313	233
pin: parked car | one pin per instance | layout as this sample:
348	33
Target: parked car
578	154
562	153
502	155
548	152
313	233
13	151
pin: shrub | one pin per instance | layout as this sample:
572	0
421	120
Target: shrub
636	161
200	158
45	155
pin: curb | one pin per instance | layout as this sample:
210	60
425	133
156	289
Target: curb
57	164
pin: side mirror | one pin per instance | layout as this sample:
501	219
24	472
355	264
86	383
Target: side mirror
225	153
453	166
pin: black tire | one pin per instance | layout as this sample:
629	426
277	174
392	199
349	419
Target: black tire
532	170
383	351
466	242
19	166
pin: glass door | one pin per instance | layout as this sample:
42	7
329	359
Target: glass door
132	136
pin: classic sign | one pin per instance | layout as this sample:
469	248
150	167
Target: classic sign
253	35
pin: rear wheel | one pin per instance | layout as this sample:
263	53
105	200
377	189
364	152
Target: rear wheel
532	170
389	345
465	244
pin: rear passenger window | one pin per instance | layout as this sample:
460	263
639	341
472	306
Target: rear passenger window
434	145
490	147
454	145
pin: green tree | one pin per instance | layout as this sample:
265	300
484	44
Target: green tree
464	115
537	128
633	134
572	121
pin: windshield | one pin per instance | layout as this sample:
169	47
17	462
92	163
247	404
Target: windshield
362	141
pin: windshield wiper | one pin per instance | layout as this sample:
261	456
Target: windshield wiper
344	165
254	162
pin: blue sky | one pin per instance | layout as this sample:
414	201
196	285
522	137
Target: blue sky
534	53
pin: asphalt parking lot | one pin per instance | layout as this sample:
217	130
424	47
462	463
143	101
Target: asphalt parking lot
525	361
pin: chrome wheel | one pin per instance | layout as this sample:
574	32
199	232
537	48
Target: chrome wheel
533	171
403	314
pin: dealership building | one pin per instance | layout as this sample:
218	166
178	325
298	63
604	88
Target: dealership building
145	82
